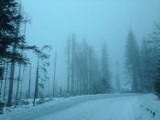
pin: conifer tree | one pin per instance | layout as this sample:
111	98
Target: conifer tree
155	38
133	60
106	80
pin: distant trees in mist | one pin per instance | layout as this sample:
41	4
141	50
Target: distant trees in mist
132	60
86	73
143	64
155	43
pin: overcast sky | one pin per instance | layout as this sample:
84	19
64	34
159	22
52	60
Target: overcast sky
94	20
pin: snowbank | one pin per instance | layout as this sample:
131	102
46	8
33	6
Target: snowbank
147	107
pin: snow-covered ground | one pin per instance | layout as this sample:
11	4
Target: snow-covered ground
92	107
147	107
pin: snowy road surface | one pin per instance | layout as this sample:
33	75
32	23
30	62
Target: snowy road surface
100	107
103	109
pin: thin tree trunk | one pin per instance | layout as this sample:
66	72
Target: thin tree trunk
54	74
117	78
9	104
68	66
36	85
29	87
5	82
1	78
21	91
19	77
72	65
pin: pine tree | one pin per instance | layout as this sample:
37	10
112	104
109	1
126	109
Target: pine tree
106	80
68	55
41	70
133	60
146	67
12	41
54	80
10	18
155	39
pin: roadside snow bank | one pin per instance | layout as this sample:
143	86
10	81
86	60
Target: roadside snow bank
147	107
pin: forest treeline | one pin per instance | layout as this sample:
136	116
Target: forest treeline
86	72
143	63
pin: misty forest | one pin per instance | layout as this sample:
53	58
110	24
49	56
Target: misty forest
79	60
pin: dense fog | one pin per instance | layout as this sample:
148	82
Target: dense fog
64	48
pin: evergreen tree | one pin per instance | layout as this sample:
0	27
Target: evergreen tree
133	60
106	80
155	38
41	70
146	67
10	19
12	41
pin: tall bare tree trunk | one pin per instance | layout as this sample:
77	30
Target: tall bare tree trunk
19	78
1	77
54	74
9	104
29	86
68	65
73	65
117	78
5	82
36	85
21	91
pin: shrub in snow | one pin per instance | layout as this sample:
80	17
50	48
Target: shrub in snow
21	102
157	88
1	107
41	101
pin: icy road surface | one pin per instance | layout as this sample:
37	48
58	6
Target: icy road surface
96	107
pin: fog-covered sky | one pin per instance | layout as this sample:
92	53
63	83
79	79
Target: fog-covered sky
94	20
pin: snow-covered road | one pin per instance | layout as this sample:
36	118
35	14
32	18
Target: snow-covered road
103	109
100	107
96	107
91	107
